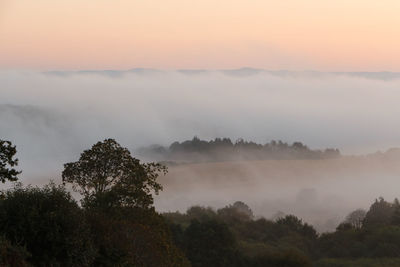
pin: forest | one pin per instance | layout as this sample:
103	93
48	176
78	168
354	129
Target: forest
102	214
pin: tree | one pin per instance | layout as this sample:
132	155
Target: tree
356	218
7	162
238	212
107	175
380	213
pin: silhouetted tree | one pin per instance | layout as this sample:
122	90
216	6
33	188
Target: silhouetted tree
107	175
7	162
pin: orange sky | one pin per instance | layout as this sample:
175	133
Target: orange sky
339	35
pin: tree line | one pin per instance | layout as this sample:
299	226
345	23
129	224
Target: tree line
364	238
223	149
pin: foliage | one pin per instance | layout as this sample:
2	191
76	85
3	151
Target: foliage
107	175
7	162
12	255
201	213
377	237
49	223
356	218
232	231
118	204
133	237
209	243
237	212
380	213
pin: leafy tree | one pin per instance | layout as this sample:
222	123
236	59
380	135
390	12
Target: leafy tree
49	223
243	208
117	196
7	162
107	175
380	213
356	218
237	212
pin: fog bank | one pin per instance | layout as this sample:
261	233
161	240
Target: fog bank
53	116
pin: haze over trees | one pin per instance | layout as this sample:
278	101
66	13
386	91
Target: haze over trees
223	149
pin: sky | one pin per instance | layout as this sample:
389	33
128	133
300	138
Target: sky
339	35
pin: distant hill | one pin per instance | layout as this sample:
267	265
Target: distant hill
223	149
240	72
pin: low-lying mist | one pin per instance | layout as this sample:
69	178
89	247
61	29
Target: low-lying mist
51	117
322	192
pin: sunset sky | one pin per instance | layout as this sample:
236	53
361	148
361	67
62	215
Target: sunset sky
358	35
